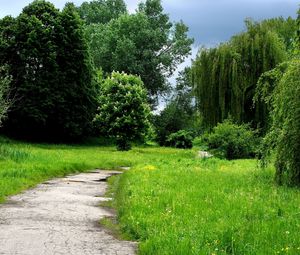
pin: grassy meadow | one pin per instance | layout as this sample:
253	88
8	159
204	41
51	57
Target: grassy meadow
171	201
24	165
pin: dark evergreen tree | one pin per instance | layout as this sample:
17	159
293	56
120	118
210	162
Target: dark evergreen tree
31	56
5	103
7	36
76	94
47	55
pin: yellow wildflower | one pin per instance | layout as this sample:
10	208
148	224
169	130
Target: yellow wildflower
149	167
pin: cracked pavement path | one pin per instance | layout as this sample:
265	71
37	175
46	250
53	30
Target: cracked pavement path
60	216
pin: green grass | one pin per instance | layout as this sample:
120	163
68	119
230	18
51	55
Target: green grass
24	165
170	201
179	205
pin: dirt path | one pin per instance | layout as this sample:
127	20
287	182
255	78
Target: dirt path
60	217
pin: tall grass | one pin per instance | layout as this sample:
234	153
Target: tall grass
24	165
170	201
179	205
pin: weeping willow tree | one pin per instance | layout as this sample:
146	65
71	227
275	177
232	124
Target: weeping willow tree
297	46
279	88
214	72
285	28
225	77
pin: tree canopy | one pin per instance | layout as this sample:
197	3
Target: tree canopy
285	28
5	103
279	88
225	77
145	44
51	71
101	11
123	111
282	96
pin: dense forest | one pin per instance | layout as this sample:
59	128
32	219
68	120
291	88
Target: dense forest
96	70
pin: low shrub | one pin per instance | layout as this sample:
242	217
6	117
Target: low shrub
232	141
182	139
201	140
197	141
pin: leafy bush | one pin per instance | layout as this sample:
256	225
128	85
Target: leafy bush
201	140
197	141
123	109
181	139
232	141
173	119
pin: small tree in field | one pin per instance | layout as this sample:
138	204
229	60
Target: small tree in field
123	111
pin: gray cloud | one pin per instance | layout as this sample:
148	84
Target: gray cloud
215	21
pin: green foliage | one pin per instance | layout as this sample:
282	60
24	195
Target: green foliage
197	141
225	77
51	71
297	44
181	139
172	119
183	94
232	141
75	105
285	28
202	140
101	11
284	134
167	122
145	44
267	83
123	110
7	28
5	103
180	112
